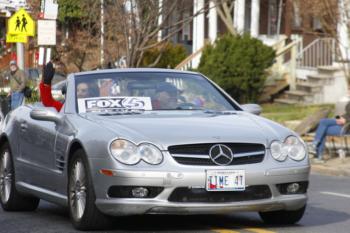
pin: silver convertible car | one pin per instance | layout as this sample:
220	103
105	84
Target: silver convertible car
150	141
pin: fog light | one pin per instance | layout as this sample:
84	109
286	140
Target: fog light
293	188
139	192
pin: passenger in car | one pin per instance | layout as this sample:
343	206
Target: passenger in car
45	88
82	90
105	87
166	96
87	89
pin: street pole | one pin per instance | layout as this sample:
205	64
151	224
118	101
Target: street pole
102	34
20	55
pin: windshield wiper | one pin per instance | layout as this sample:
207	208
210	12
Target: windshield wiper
122	112
217	112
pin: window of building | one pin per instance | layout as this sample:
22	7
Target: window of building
297	20
316	24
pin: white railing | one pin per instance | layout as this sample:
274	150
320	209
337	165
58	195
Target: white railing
321	52
187	63
290	50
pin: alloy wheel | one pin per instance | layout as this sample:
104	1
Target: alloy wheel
78	189
5	177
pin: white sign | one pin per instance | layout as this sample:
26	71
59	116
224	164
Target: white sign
51	9
101	104
12	4
48	55
41	56
46	32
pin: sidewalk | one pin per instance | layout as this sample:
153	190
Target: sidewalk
333	166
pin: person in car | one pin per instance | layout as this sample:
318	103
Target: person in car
45	87
82	90
87	90
166	97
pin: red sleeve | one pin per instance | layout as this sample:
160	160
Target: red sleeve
46	97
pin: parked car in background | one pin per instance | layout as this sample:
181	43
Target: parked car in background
58	89
34	75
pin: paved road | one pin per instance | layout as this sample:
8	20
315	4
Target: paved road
328	211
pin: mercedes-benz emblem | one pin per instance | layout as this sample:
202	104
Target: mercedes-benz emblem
220	154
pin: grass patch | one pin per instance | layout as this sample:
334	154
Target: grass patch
282	113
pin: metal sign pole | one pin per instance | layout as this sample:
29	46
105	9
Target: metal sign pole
102	34
20	55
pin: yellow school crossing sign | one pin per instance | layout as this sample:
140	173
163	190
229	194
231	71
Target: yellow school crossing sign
16	38
21	24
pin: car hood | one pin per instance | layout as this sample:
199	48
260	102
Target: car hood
165	129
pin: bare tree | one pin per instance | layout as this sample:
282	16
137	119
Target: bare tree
136	25
131	29
333	15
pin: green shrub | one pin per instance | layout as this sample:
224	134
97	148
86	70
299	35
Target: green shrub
238	64
34	98
172	55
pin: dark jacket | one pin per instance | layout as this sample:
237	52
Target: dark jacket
346	116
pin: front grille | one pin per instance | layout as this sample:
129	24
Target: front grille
185	194
198	154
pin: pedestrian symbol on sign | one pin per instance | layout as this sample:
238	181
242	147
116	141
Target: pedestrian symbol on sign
18	23
24	23
21	24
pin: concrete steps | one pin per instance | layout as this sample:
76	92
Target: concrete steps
309	87
325	86
272	90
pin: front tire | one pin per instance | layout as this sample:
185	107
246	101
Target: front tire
10	198
283	216
81	196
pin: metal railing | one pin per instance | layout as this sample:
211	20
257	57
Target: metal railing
321	52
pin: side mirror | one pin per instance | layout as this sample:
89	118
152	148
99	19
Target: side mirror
46	114
252	108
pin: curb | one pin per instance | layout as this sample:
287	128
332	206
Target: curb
330	171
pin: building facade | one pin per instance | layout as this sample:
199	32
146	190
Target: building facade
305	36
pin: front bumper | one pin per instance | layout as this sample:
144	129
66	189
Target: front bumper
157	206
194	178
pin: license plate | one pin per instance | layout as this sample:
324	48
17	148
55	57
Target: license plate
225	180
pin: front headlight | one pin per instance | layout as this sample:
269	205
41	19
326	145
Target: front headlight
291	147
296	149
128	153
125	151
150	154
278	151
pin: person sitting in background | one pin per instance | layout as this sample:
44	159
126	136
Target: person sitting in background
328	127
45	88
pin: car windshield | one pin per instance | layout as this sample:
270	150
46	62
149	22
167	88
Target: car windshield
148	91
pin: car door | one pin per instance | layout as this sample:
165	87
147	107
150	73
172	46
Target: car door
36	147
65	134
